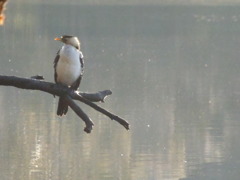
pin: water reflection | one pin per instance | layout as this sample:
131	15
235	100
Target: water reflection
173	71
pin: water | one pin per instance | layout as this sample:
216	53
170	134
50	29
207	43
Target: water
174	73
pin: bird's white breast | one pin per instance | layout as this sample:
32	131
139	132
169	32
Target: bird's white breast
68	68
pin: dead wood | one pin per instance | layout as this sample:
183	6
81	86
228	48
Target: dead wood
60	90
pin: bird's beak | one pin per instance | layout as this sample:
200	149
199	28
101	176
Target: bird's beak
57	39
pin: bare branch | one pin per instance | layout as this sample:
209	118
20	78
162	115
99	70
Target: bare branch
81	114
60	90
103	111
52	88
95	97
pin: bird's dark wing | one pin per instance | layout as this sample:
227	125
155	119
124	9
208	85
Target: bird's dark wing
81	61
76	84
55	65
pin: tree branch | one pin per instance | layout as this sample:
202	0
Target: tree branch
60	90
103	111
81	114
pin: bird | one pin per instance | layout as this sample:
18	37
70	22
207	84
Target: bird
68	67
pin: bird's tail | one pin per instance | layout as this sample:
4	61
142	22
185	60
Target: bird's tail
62	107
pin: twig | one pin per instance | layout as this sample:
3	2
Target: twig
80	113
103	111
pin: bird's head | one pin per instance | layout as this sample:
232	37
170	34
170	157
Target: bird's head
71	40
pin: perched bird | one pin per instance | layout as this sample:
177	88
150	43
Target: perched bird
68	67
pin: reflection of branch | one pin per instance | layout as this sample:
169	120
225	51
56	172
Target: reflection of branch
69	95
2	7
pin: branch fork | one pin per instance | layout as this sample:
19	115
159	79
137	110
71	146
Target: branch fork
69	95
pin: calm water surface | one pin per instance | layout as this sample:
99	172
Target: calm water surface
174	73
